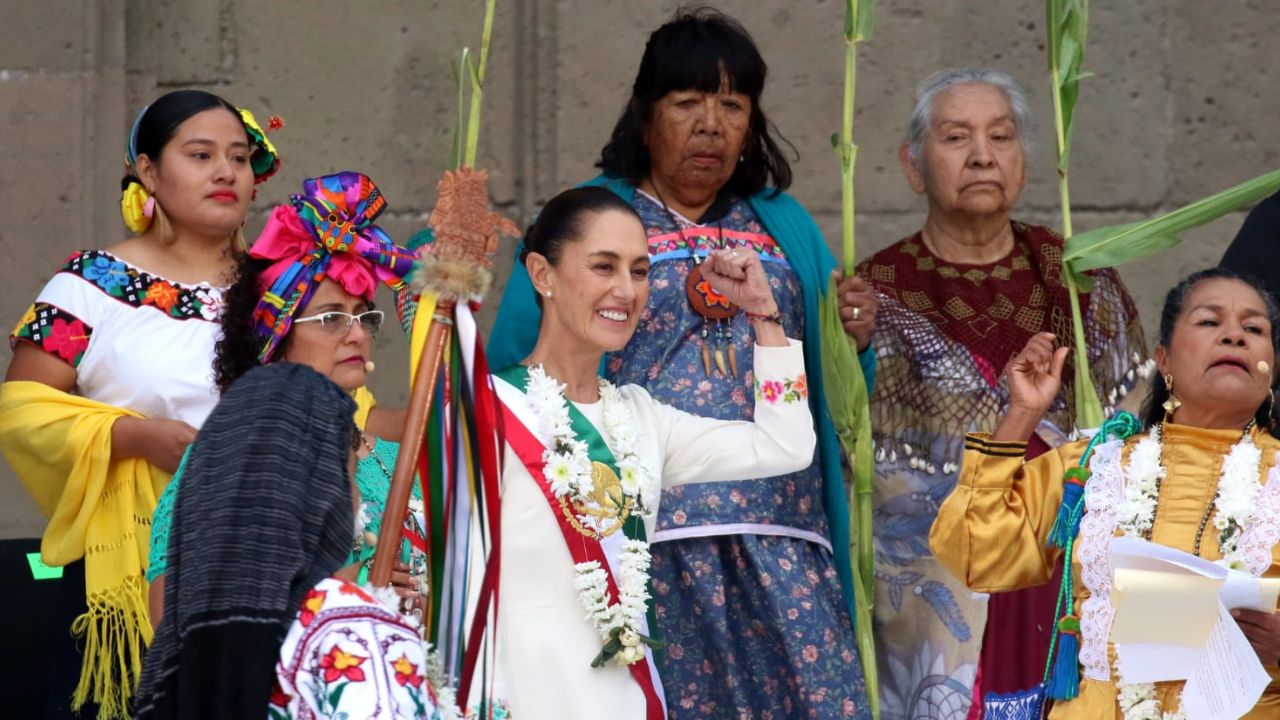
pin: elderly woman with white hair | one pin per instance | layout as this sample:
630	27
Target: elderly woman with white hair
959	299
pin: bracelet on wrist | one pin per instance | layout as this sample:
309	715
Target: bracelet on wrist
773	317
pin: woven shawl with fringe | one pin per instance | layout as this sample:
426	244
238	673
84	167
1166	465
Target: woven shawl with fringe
99	509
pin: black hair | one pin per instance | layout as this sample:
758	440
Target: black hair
561	220
1153	409
161	120
694	51
236	351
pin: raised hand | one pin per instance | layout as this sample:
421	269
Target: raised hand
1035	374
739	276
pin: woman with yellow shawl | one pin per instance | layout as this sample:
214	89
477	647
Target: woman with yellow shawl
110	373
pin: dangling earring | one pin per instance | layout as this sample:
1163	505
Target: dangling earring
1172	403
1271	408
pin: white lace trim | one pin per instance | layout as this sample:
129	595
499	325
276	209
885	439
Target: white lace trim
1264	531
1103	494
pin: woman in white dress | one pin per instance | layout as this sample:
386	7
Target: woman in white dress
110	374
585	462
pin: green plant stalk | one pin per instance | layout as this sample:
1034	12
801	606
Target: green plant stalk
1088	407
848	155
853	418
460	65
477	75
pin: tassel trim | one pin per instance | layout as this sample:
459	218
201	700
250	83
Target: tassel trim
116	629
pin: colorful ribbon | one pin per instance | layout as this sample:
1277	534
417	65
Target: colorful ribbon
327	231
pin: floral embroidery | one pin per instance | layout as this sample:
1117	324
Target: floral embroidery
727	597
210	303
356	591
110	275
68	339
787	390
407	673
339	664
163	295
141	289
311	604
27	318
55	331
278	701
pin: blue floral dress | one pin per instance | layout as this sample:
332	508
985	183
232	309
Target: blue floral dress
746	592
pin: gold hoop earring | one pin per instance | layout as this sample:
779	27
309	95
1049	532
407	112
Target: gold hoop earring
1172	403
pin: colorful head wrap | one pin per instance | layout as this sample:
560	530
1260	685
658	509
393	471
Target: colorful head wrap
136	204
327	231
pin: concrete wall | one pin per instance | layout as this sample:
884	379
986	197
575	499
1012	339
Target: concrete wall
1182	106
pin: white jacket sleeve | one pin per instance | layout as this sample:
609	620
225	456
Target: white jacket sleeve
780	440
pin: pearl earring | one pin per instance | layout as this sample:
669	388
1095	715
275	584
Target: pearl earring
548	293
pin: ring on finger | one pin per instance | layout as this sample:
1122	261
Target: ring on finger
857	313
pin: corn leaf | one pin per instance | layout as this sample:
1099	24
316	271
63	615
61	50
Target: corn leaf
845	391
1067	26
1118	244
865	24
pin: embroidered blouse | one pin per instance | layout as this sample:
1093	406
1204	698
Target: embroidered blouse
106	318
992	534
346	656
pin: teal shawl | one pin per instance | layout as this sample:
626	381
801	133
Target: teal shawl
515	331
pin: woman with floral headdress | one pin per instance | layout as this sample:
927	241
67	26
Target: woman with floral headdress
110	371
304	294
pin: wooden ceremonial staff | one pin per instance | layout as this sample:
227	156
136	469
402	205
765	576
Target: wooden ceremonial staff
415	426
454	267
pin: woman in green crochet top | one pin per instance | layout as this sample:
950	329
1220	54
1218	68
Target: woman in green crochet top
328	323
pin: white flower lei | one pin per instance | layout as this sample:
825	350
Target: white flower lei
1238	488
568	470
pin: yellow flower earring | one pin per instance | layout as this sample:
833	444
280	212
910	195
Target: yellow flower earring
137	206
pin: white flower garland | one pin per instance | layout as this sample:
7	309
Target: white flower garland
1238	487
568	470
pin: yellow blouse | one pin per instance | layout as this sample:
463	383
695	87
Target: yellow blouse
992	531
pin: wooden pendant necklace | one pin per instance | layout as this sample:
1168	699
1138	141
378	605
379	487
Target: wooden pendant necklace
715	309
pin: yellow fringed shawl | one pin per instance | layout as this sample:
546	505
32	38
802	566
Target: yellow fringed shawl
99	509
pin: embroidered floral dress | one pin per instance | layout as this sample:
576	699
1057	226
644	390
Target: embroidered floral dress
346	656
746	593
107	318
991	534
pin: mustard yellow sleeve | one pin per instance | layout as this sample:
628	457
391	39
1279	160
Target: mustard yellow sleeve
991	531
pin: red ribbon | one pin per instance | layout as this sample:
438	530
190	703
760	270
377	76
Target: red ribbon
528	448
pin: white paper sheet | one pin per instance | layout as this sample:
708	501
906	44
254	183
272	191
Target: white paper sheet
1169	622
1228	679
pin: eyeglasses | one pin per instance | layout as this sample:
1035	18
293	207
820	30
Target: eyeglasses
335	322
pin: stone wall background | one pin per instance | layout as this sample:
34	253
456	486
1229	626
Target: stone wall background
1183	105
